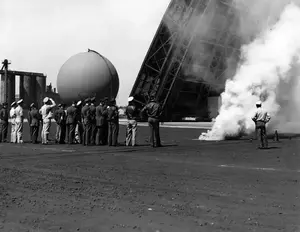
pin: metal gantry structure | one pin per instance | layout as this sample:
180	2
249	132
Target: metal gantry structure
191	34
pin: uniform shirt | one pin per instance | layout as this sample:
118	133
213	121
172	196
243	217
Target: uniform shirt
261	115
34	117
86	113
71	115
4	114
12	114
60	116
19	113
153	110
101	114
131	112
93	112
113	113
46	112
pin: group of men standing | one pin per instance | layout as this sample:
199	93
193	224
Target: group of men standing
82	122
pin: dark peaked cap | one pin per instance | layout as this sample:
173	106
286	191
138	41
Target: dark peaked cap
93	99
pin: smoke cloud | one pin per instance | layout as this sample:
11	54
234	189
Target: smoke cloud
268	70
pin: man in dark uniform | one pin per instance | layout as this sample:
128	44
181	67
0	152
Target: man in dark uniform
87	122
71	123
93	120
153	112
60	118
34	119
4	114
131	129
105	123
113	123
101	119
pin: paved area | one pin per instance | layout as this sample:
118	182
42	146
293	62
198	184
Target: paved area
188	185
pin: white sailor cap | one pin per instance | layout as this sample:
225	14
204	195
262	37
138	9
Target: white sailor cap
20	101
258	103
79	103
13	104
46	99
130	99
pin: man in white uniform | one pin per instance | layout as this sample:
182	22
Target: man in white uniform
46	113
19	121
12	115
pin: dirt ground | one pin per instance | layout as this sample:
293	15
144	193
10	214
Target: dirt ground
186	186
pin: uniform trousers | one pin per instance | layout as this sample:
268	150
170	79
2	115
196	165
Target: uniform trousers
113	132
30	130
34	133
3	132
262	134
131	132
93	132
46	130
70	132
13	133
19	131
86	140
154	132
105	128
60	133
100	135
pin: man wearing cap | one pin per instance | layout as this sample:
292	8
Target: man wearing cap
46	112
93	120
60	118
113	123
19	121
71	123
34	119
131	130
4	114
261	118
12	115
87	122
79	124
101	119
153	112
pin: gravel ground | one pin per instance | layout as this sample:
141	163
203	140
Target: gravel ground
185	186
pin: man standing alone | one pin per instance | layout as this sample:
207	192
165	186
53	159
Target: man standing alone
261	118
4	123
153	112
47	115
19	121
131	130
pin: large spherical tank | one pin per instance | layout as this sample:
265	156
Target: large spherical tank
87	74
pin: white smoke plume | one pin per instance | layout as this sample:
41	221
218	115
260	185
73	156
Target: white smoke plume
268	71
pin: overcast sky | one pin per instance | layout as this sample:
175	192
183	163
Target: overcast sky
40	35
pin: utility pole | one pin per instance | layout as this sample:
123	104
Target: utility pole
5	67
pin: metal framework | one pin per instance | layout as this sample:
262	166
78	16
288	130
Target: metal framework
177	47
